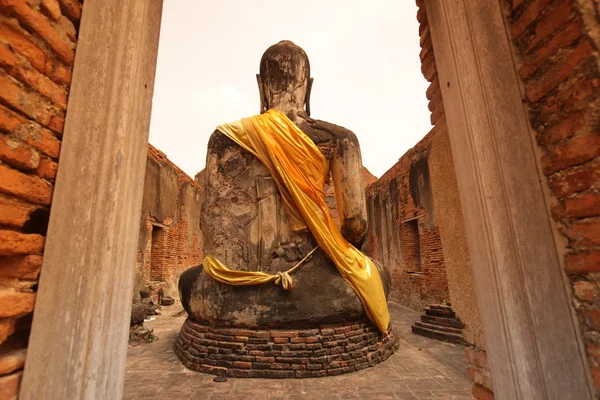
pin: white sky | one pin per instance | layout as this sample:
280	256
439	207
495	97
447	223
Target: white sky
364	57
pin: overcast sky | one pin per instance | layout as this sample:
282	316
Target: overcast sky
364	58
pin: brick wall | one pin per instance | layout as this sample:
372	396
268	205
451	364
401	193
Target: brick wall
403	234
170	235
37	49
556	51
410	239
159	260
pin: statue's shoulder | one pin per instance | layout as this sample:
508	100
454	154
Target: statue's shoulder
219	142
321	131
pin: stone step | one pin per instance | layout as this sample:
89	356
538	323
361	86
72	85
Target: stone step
439	327
438	335
443	321
441	307
440	312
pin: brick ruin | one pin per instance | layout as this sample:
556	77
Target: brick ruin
37	50
556	52
328	350
403	234
170	239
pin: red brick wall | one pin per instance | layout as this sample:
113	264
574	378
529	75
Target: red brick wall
368	177
188	251
557	60
37	49
410	239
398	224
172	242
159	253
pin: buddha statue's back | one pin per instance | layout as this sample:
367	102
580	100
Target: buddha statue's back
246	224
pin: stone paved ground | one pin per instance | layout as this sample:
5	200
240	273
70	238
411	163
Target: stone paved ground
421	369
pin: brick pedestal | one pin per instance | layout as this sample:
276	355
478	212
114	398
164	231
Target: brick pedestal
246	353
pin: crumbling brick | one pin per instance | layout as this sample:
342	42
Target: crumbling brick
557	58
36	59
9	386
21	267
35	22
21	69
27	187
15	243
538	87
71	9
14	213
296	360
18	154
584	261
14	304
30	104
51	9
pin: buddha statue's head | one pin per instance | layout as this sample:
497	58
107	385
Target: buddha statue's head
284	81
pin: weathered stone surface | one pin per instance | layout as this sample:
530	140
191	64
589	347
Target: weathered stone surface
167	301
144	294
138	314
245	223
246	226
140	334
320	295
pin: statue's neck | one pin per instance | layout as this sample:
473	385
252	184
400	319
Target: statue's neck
291	110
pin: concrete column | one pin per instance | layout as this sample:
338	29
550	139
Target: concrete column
533	348
78	344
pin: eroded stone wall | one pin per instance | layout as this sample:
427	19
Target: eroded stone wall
170	238
37	50
556	52
403	233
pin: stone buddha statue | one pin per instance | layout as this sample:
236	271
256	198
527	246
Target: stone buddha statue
247	227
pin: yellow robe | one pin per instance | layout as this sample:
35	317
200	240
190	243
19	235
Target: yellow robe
299	170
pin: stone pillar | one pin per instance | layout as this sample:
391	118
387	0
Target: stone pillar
533	349
78	343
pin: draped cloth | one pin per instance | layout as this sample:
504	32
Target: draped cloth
300	171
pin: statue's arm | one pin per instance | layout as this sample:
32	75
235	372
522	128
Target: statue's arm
211	193
211	167
346	169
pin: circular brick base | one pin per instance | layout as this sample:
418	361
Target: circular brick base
247	353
